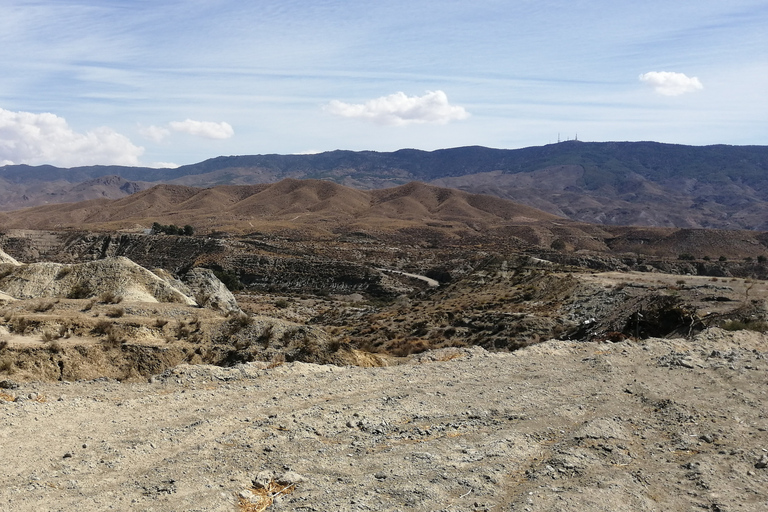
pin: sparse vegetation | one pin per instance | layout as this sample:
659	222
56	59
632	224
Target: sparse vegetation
42	307
172	229
102	327
110	298
63	272
229	279
751	325
50	335
19	324
115	312
237	322
79	291
113	339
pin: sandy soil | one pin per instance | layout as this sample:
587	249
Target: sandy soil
657	425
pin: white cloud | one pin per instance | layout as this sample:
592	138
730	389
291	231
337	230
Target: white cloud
35	139
669	83
164	165
154	133
206	129
399	110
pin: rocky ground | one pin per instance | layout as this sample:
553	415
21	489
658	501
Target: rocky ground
652	425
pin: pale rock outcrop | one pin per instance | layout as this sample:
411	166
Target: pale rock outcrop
118	276
5	258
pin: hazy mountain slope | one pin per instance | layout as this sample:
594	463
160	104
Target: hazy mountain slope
642	183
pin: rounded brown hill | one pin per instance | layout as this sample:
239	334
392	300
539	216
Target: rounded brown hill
298	204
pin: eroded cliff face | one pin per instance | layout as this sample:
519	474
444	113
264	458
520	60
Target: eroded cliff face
172	253
262	267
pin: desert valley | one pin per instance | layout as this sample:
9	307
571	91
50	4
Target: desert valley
579	326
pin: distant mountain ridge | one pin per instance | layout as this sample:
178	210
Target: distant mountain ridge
615	183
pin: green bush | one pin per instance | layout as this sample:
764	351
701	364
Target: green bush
172	229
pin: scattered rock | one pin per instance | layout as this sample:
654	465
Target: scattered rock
8	384
263	479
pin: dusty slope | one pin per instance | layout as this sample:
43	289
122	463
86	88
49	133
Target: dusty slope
666	425
314	204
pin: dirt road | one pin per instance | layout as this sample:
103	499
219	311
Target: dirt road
656	425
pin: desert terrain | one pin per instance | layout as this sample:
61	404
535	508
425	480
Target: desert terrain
640	425
416	348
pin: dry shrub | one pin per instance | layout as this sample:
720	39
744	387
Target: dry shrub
7	366
89	305
115	312
3	344
43	307
49	335
266	336
63	272
7	397
19	324
110	298
79	291
237	322
102	327
55	346
160	323
263	497
751	325
405	347
113	339
182	331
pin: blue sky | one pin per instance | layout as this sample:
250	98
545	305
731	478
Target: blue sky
176	82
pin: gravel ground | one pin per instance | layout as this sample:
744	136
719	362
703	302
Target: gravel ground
655	425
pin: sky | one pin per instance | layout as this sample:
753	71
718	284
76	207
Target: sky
176	82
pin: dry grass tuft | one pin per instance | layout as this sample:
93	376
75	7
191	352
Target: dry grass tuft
7	397
263	497
115	312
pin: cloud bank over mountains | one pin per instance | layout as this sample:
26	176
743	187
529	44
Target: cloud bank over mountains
399	110
36	139
668	83
45	138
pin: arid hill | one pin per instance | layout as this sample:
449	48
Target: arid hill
612	183
289	204
414	213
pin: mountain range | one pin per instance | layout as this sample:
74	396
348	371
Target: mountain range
611	183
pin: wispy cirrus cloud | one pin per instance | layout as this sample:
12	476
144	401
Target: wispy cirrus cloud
34	139
669	83
399	110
